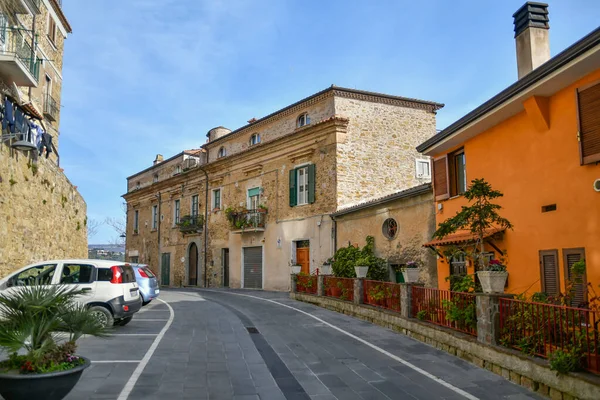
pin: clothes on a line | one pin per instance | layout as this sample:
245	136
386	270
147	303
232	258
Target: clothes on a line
16	122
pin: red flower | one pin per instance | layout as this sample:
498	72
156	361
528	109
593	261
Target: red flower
494	262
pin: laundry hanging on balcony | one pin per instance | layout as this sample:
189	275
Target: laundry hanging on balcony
17	124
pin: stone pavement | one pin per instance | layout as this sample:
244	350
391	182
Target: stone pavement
222	345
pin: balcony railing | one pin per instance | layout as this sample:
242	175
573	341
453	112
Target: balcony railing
50	108
250	220
191	224
15	43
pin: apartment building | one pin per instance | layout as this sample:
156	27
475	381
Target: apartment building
259	198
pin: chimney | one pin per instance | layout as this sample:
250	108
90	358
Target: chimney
531	36
159	158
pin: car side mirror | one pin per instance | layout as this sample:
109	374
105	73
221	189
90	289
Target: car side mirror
10	283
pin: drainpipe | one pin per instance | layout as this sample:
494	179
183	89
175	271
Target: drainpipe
334	229
205	224
158	225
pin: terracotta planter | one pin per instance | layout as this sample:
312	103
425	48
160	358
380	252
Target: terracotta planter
492	281
361	271
328	291
411	275
336	291
296	269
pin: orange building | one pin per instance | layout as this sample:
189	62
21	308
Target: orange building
538	142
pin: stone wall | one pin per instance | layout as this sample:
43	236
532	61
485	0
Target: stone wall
377	155
42	216
415	218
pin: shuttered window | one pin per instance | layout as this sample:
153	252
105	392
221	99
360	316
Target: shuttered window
579	290
440	178
588	104
549	272
303	185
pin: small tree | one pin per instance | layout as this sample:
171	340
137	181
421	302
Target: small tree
478	217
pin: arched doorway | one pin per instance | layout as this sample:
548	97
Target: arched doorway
193	265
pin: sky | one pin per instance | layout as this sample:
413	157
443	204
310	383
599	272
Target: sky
147	77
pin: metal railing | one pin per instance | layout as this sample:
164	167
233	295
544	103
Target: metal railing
191	223
340	288
453	310
50	107
15	43
541	329
307	283
382	294
248	220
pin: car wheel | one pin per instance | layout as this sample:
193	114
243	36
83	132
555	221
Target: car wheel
145	303
123	322
103	316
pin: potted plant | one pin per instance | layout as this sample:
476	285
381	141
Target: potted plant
326	267
478	218
41	365
296	268
362	267
493	278
336	289
410	272
262	208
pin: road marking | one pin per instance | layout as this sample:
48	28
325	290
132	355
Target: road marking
133	334
124	395
371	345
150	319
115	361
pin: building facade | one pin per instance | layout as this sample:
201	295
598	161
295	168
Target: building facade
42	215
538	142
261	197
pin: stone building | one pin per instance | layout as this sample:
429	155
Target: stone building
42	215
400	223
259	198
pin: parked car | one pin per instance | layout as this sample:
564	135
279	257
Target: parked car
109	287
147	282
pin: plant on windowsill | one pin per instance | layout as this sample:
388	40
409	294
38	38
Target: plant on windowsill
262	208
478	217
326	267
42	365
135	232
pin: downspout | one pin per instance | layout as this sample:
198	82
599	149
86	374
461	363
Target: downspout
158	224
334	233
205	223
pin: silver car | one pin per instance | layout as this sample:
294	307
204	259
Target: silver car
147	282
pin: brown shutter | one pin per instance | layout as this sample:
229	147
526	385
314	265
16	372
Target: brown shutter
549	272
571	256
440	178
588	105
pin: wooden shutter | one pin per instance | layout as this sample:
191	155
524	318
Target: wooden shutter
293	188
571	256
312	180
440	178
588	107
549	272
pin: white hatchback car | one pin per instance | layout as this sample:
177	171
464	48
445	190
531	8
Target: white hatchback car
109	287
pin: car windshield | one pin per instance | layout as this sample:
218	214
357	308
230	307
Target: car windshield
148	272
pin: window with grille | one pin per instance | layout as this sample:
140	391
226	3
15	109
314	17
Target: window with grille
390	228
176	212
154	217
194	210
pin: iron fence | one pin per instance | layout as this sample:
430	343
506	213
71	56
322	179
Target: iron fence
306	283
340	288
453	310
382	294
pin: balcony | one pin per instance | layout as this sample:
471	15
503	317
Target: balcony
189	224
50	108
248	221
27	6
18	62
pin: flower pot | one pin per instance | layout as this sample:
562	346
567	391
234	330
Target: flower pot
399	277
336	291
49	386
361	271
296	269
411	275
325	269
492	281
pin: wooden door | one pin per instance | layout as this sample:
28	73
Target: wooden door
303	259
226	267
193	265
165	269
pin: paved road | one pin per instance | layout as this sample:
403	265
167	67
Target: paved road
229	345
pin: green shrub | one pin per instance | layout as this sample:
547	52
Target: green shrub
564	362
421	315
346	258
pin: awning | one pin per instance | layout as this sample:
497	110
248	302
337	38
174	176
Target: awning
461	237
30	109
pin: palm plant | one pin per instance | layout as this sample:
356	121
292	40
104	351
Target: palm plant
36	319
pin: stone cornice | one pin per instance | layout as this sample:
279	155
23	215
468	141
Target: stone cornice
390	100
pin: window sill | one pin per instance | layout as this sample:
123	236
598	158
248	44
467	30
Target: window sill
153	230
52	44
135	234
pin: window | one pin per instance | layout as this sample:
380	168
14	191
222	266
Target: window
216	199
458	265
221	152
51	29
588	104
302	185
253	198
176	212
76	273
390	228
303	120
255	139
137	185
450	175
177	170
136	221
154	217
458	174
549	272
47	87
38	275
422	169
133	259
194	210
579	281
155	179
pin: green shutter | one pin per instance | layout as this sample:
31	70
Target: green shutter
253	192
293	190
312	174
